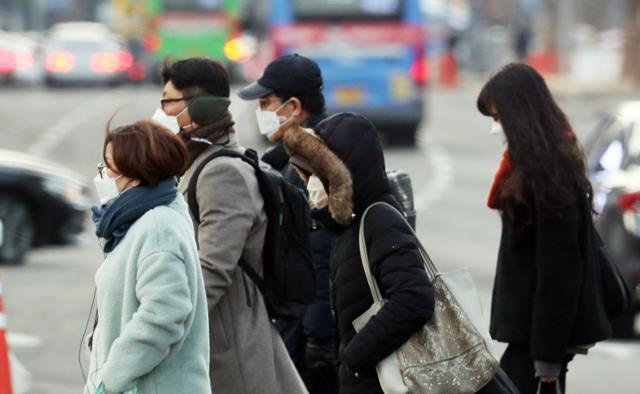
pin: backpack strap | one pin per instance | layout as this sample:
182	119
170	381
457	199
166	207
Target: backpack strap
252	274
250	157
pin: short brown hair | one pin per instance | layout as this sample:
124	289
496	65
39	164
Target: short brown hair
146	151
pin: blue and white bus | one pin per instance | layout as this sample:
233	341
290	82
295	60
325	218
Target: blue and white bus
371	53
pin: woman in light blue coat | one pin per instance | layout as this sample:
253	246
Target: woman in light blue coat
152	333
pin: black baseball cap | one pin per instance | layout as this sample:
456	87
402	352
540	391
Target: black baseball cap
289	73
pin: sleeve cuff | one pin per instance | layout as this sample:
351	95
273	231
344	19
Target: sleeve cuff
544	368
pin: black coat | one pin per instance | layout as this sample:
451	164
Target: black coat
547	288
394	258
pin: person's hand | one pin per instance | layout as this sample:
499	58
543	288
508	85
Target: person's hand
548	379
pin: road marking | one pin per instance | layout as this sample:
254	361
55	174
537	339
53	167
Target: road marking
66	124
619	350
19	340
20	376
442	178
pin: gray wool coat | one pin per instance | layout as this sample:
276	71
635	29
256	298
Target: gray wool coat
247	353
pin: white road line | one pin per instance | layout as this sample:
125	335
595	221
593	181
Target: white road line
617	350
442	176
66	125
19	340
20	377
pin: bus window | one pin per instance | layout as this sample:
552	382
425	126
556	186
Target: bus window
193	5
347	9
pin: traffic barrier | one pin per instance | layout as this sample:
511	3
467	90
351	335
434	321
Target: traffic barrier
5	370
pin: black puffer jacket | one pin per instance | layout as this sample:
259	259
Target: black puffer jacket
393	255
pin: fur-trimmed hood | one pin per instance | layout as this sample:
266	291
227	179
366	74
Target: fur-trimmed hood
345	153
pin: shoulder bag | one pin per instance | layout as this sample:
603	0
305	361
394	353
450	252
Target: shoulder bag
448	355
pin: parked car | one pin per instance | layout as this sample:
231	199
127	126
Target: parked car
613	156
82	53
41	203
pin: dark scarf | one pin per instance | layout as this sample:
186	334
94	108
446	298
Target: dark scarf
217	133
114	219
493	201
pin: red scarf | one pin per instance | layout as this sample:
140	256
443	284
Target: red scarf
496	187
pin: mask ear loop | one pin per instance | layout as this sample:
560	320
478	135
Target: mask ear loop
182	129
291	118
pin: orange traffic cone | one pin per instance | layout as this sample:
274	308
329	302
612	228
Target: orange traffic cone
544	61
449	70
5	371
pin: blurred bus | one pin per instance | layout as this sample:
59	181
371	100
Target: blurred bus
184	28
371	52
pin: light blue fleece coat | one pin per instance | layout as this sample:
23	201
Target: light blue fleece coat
153	331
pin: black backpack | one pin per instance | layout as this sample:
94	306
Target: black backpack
288	281
400	184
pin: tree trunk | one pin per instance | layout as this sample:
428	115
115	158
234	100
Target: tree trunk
631	66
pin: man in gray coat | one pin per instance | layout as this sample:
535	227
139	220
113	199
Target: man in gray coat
247	354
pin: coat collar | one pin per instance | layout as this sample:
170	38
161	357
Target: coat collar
186	178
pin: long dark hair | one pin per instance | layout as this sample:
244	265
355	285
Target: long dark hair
548	163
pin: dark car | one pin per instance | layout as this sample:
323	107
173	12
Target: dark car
41	204
614	165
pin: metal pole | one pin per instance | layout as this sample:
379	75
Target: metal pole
565	21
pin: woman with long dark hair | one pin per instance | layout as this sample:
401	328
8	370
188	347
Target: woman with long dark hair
546	300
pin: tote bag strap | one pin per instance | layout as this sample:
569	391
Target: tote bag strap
430	267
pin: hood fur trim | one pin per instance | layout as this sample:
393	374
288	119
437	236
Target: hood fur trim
326	165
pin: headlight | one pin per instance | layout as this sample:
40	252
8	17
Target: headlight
73	193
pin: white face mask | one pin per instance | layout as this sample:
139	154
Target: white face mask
269	122
496	128
317	195
106	187
168	121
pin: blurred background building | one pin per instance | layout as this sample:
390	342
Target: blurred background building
567	36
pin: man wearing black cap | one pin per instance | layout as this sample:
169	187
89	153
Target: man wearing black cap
290	91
